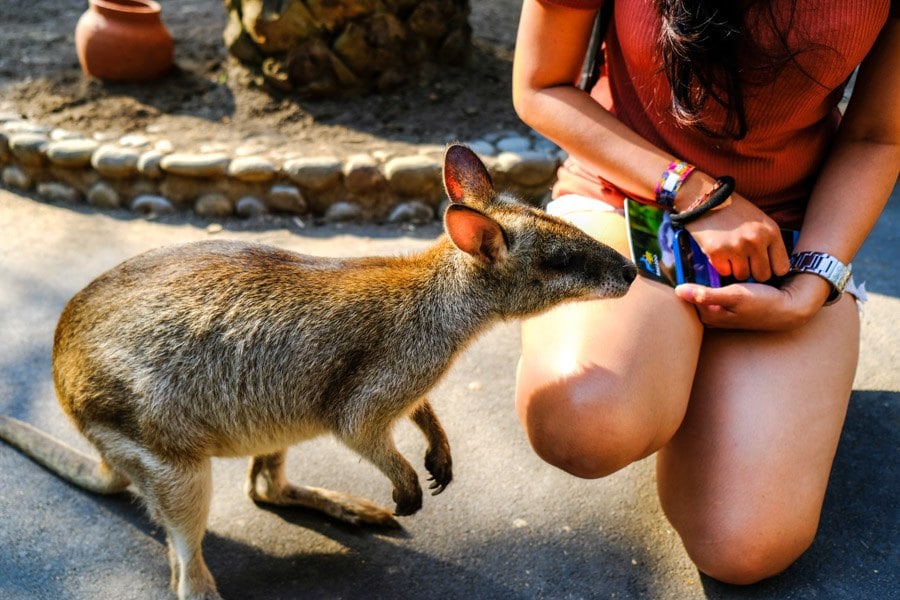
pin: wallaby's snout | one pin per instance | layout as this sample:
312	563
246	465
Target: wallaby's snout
629	272
584	267
614	272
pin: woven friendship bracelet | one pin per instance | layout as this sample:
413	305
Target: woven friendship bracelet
716	196
670	182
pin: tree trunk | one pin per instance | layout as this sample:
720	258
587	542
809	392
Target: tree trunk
335	47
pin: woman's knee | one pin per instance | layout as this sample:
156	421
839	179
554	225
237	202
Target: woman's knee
583	425
743	552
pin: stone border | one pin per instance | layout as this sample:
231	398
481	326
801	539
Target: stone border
152	179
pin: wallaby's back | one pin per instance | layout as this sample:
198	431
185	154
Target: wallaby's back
231	341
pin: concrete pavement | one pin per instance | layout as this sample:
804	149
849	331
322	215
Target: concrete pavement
509	526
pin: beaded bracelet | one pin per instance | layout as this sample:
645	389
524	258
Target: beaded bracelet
716	196
670	182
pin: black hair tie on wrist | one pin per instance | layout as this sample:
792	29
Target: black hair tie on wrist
720	192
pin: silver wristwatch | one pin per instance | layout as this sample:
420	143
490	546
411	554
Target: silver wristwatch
825	266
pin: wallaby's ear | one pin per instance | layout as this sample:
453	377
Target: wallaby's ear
475	233
466	179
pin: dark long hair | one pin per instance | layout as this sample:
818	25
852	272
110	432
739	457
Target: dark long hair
705	48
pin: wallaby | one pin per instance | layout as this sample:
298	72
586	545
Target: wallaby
228	348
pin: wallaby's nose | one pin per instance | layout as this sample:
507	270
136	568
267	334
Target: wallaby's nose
629	272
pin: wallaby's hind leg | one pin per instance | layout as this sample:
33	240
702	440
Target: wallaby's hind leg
177	497
180	499
266	484
437	458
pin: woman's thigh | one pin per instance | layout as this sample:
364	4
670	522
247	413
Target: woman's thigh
744	478
603	383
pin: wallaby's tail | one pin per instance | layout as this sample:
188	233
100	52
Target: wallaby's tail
62	459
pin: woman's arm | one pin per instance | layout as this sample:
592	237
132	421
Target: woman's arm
740	240
850	193
550	49
861	170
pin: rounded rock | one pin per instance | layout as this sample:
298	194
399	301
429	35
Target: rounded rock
361	173
65	134
286	198
515	143
314	173
72	153
342	212
414	211
183	190
248	207
151	206
413	175
103	195
58	192
196	165
253	169
115	162
213	204
28	147
149	164
527	168
15	126
16	178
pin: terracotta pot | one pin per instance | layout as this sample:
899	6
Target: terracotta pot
123	40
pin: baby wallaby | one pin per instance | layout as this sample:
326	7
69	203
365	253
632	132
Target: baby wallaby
237	349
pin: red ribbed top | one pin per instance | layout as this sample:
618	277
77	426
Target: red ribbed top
791	117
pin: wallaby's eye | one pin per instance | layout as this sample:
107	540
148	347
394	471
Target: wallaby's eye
562	260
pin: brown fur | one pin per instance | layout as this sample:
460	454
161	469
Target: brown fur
226	348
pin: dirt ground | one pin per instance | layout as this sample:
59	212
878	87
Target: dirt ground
209	100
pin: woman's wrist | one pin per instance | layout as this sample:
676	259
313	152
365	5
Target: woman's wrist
808	291
715	198
670	182
695	186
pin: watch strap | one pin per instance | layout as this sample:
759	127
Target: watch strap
825	266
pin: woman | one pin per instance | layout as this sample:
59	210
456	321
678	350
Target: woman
740	390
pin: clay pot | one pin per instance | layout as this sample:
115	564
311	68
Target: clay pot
123	40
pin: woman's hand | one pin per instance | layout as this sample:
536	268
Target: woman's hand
758	306
742	241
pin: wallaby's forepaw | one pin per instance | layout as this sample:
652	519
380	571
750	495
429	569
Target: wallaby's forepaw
440	465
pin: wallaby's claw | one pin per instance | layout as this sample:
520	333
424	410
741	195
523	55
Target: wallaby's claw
440	465
436	486
440	479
